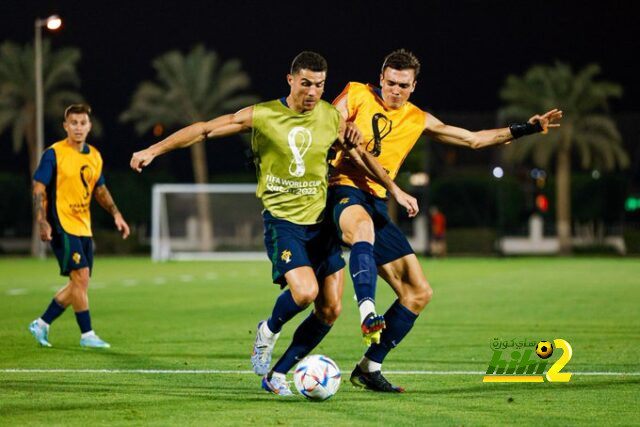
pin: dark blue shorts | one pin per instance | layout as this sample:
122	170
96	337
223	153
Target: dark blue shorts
390	243
292	245
73	252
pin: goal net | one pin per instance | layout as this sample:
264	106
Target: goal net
206	221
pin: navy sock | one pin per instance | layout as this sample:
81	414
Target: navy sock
284	309
53	311
399	320
364	272
84	320
308	335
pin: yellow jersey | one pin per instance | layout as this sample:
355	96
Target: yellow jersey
396	131
70	177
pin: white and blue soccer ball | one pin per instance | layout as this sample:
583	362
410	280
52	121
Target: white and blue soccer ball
317	377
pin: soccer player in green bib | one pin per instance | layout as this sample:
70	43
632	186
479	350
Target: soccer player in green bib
291	139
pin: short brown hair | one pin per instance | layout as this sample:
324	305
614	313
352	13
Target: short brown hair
77	109
308	60
402	59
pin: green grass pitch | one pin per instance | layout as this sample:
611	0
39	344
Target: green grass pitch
200	318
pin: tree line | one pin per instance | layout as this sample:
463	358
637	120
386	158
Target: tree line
199	85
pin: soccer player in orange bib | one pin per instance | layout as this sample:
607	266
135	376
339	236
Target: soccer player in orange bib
69	173
391	125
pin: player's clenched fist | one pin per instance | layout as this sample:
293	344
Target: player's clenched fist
140	159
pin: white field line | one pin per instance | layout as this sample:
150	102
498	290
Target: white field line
236	372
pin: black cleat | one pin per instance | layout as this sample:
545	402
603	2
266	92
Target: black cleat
373	381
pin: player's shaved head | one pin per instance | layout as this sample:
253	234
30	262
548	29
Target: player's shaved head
402	59
77	109
308	60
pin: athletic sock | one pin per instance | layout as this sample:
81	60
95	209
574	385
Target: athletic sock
308	335
52	312
368	365
273	374
366	307
265	331
364	272
399	321
284	309
84	321
88	334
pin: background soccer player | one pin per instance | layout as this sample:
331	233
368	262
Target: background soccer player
391	125
290	140
69	172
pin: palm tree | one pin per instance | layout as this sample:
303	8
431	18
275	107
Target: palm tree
190	88
586	128
17	97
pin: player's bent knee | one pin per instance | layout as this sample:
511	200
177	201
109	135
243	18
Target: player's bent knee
423	294
80	282
329	314
304	297
418	296
363	231
359	231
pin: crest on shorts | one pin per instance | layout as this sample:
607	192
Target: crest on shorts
344	201
286	256
76	257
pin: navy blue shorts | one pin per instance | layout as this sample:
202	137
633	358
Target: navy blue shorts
390	243
292	245
73	252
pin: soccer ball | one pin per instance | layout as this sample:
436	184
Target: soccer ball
317	377
544	349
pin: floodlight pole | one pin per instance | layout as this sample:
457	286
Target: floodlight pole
53	22
39	90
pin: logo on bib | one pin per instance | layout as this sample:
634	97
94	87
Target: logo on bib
299	142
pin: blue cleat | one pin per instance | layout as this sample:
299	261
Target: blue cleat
262	349
93	341
277	385
40	333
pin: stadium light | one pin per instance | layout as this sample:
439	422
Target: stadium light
498	172
52	23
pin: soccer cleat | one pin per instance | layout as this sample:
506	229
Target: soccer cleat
276	385
372	327
262	350
373	381
93	341
40	333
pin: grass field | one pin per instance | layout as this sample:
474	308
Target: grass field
181	334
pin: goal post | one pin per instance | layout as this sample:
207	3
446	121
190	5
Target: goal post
206	222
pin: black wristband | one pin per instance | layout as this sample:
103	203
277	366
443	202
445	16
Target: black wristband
522	129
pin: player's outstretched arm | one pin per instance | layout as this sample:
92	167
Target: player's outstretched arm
484	138
229	124
103	197
39	201
351	141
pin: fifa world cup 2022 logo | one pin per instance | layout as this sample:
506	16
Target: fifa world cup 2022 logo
299	142
86	175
